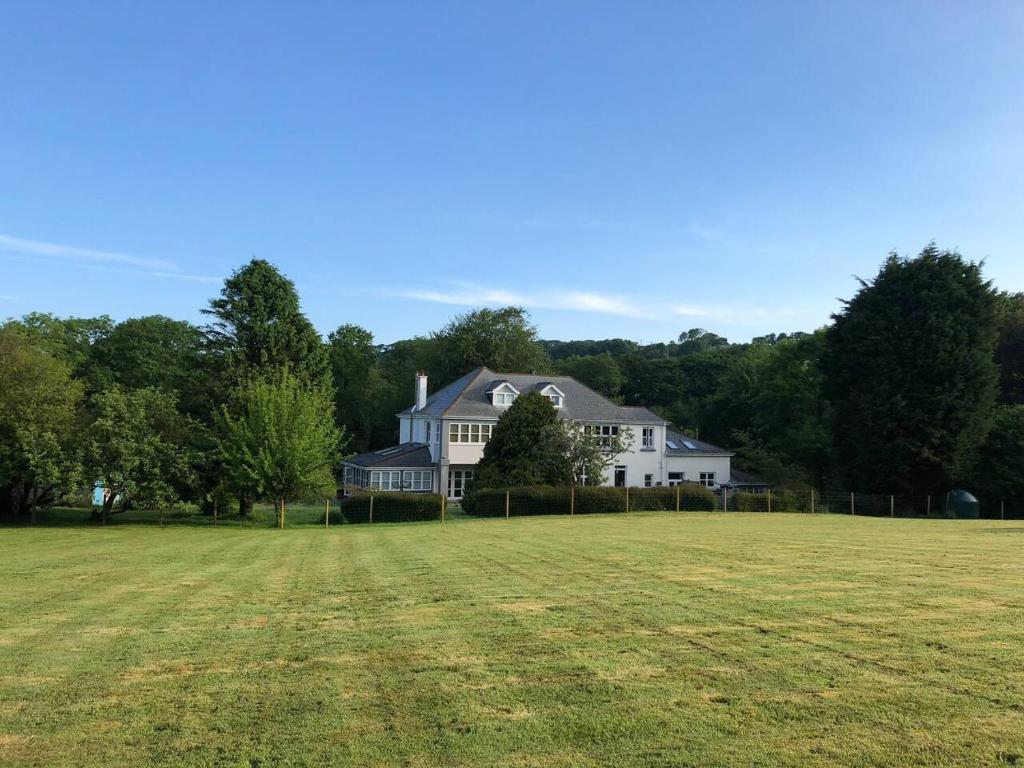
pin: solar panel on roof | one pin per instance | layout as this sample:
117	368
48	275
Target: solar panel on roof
672	445
689	445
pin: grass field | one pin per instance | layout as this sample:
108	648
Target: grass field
620	640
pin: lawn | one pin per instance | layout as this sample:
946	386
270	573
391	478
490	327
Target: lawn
619	640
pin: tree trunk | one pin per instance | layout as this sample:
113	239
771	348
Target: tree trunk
245	502
108	505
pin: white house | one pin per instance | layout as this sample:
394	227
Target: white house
442	437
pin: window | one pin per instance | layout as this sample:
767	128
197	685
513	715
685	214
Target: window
457	480
620	476
418	480
504	398
707	479
476	434
604	432
648	481
648	438
556	400
676	478
429	424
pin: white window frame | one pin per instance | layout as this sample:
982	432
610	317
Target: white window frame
673	481
648	480
603	432
707	479
647	438
554	394
504	394
470	432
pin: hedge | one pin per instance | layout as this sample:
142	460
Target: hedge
548	500
388	508
782	501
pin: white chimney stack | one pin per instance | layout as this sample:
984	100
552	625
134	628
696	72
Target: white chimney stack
421	392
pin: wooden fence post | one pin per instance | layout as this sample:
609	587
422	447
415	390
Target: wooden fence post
892	506
928	508
725	499
443	506
677	498
852	507
214	510
769	501
572	500
327	515
371	508
506	504
1002	509
627	498
812	501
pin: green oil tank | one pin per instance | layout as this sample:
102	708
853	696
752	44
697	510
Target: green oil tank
961	504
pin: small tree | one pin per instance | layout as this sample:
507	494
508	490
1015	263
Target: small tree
590	455
283	442
528	447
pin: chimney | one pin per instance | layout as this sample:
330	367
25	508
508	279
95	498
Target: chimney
421	392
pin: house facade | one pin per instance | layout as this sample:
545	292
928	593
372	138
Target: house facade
442	437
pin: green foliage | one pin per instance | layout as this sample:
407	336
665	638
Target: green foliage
501	339
359	386
1010	350
389	508
911	375
68	338
590	455
282	441
39	409
599	372
135	447
258	326
527	447
998	471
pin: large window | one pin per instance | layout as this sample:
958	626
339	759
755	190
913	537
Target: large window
676	478
604	432
648	481
707	479
504	398
401	480
457	480
475	434
648	438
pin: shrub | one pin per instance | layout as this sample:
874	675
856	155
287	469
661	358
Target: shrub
692	498
744	501
389	508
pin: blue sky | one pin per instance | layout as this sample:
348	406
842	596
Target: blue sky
621	169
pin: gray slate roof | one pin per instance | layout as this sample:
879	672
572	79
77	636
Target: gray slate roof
682	449
741	478
466	398
403	456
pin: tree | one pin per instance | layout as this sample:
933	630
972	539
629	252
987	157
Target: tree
135	448
152	351
998	471
590	455
910	373
283	442
39	408
258	326
1010	350
599	372
502	339
527	447
68	338
358	384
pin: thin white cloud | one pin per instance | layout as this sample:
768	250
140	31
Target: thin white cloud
733	315
76	253
467	295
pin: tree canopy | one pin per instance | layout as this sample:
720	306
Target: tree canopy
527	447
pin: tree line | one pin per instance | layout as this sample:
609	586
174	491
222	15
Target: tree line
916	385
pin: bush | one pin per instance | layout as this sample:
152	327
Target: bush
782	501
548	500
389	508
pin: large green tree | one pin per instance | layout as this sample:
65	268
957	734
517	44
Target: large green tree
1010	350
998	471
359	386
258	326
136	448
527	447
502	339
910	372
39	413
599	372
282	440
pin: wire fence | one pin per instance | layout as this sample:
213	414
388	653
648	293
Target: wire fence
584	500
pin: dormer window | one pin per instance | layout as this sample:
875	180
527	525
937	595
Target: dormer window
502	393
554	394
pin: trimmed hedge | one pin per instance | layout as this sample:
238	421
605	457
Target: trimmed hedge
548	500
389	508
782	501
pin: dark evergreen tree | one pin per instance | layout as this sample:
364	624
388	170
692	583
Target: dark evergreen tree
910	372
1010	350
528	447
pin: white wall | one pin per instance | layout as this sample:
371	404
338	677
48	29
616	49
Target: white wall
639	462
